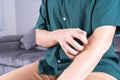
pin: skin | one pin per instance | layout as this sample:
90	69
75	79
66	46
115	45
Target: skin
85	60
64	37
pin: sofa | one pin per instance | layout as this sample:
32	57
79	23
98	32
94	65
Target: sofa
19	50
117	46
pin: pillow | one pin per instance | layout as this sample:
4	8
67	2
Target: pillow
10	38
117	43
7	46
28	41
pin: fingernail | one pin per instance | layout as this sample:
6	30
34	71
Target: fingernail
76	53
86	42
82	48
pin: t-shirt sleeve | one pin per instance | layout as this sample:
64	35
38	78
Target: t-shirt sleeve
106	12
42	23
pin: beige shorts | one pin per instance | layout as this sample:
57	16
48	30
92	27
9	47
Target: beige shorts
30	72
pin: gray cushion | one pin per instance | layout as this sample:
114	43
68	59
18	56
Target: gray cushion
9	45
118	53
117	43
4	69
117	46
20	57
28	40
10	38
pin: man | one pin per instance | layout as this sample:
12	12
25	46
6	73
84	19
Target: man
79	37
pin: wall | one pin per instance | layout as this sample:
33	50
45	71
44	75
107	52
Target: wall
9	18
19	16
1	15
27	12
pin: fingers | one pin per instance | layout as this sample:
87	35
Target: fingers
81	31
70	55
82	38
68	49
66	40
81	35
75	44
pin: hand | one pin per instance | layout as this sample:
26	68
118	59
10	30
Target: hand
65	38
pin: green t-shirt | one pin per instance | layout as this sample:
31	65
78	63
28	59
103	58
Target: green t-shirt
86	15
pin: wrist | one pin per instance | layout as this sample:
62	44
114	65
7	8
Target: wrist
55	35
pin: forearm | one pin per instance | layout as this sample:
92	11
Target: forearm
62	36
86	61
45	38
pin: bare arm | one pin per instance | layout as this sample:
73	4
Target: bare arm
45	38
65	37
83	64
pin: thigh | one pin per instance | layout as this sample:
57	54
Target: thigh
100	76
29	72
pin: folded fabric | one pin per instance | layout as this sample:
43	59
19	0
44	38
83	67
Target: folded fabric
28	41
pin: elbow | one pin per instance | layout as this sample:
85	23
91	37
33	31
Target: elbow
38	38
38	41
